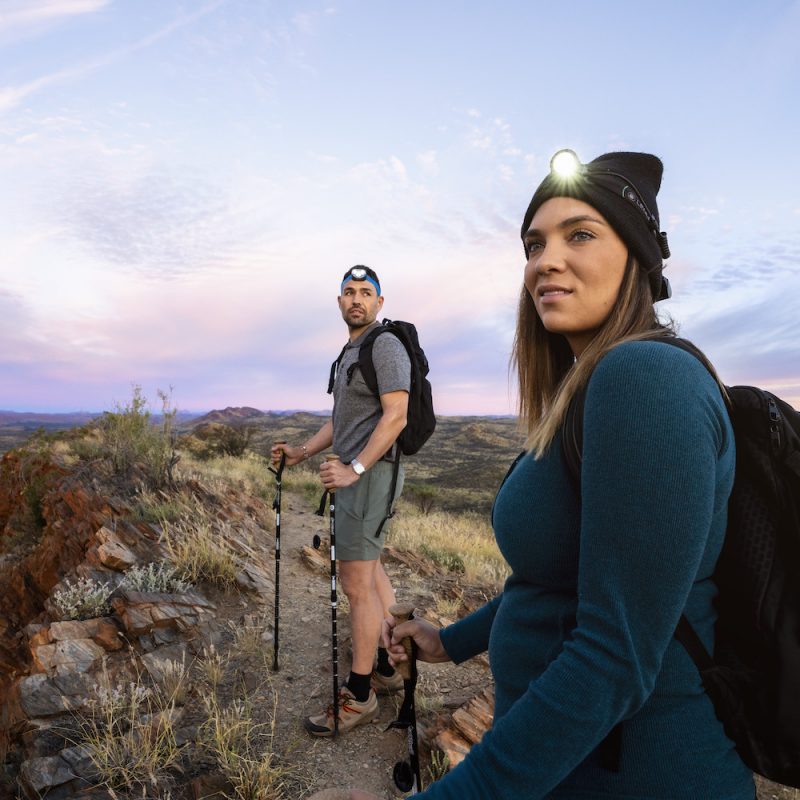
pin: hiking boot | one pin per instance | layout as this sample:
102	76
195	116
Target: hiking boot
351	714
386	684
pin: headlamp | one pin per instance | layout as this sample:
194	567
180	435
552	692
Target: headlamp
361	274
565	163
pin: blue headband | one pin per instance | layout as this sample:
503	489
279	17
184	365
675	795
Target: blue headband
365	278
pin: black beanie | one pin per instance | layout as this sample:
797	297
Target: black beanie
623	188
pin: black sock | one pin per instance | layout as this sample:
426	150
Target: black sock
359	686
384	667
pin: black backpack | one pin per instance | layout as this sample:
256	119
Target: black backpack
421	419
753	678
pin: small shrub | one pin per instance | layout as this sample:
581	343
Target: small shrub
84	599
158	576
444	557
34	494
228	440
422	496
88	447
130	439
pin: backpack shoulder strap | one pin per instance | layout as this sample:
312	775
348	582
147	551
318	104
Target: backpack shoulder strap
334	368
572	436
365	362
572	429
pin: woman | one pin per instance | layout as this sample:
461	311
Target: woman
595	698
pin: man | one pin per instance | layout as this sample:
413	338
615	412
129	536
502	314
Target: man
362	429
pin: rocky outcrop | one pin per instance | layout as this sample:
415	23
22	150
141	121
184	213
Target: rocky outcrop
466	727
50	669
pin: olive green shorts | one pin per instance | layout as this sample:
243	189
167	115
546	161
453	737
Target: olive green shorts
359	511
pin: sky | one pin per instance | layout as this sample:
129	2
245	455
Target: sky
182	184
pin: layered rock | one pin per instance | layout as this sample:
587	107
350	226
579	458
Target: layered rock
50	669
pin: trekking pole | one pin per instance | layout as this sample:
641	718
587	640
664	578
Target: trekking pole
330	493
406	773
276	505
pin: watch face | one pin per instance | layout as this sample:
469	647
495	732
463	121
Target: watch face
357	466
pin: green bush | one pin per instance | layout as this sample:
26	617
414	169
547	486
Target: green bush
234	440
130	439
34	493
422	496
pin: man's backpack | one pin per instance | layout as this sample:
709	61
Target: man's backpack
753	678
420	418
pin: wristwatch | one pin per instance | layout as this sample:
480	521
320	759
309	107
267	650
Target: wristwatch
358	467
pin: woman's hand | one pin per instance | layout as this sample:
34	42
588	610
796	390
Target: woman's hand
426	636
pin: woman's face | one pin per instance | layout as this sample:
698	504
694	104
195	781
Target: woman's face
575	268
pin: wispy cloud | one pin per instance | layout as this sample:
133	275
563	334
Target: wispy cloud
155	224
25	17
12	96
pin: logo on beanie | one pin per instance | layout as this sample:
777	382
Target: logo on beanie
632	196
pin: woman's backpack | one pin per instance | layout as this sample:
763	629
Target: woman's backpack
753	678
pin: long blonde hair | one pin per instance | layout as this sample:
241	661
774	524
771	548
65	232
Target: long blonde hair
549	375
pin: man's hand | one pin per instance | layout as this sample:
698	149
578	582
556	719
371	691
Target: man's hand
336	475
294	455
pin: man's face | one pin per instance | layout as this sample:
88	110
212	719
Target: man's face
359	303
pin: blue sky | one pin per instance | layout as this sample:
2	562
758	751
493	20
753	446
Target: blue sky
184	183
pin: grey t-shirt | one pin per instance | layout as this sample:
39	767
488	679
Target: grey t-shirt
356	410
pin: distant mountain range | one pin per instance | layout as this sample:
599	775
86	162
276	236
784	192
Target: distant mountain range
236	415
68	419
17	426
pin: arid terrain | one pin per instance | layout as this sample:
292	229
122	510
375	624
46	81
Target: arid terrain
176	682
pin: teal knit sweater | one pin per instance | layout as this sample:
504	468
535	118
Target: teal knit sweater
581	637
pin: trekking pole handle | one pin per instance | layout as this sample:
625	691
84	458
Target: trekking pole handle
279	472
402	612
332	457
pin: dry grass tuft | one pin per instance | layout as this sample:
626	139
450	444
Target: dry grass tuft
462	543
128	733
249	473
199	552
244	750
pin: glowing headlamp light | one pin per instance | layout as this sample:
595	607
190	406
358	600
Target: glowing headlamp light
565	164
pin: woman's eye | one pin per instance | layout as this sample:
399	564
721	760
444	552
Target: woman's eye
533	246
581	235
